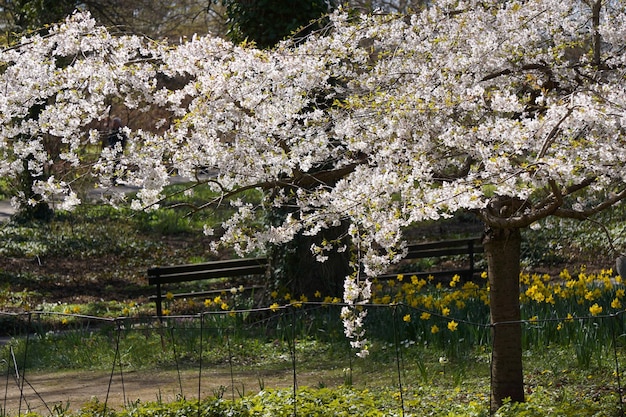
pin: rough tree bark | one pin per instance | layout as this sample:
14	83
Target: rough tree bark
502	250
296	270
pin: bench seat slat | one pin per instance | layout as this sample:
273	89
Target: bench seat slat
198	294
437	274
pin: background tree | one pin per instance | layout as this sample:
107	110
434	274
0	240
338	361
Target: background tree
156	19
513	112
22	15
266	22
159	19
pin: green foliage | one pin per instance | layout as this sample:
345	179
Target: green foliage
557	241
77	234
347	401
544	402
187	210
266	22
34	14
92	229
5	189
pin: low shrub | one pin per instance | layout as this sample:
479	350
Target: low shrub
346	401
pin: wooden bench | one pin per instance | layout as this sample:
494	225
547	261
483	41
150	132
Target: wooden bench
163	275
469	248
231	268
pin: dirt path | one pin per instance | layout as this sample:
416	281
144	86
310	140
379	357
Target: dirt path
43	391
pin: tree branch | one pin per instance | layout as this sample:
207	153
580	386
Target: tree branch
552	205
555	131
528	67
585	214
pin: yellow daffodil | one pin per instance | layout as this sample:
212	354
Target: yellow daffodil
616	303
595	309
455	280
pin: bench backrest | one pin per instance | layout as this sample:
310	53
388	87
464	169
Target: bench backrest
445	248
468	247
207	270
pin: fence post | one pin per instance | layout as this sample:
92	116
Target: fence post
617	370
396	338
292	348
200	363
22	380
180	382
116	357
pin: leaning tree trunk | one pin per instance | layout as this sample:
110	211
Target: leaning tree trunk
296	270
502	249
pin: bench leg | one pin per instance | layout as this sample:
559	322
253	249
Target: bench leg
159	300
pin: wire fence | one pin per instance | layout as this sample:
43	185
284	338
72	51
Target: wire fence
226	353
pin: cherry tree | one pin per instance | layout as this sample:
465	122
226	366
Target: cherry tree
514	111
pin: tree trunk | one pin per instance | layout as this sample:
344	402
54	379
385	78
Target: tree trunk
296	270
502	249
